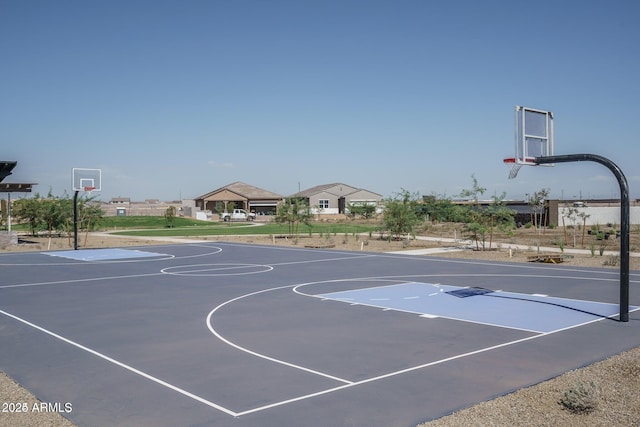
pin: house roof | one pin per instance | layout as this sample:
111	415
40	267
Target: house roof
244	190
327	187
317	189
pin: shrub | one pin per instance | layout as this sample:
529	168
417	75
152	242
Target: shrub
603	247
580	398
612	261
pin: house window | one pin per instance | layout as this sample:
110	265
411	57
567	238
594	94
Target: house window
323	204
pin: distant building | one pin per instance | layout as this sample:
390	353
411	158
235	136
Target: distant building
559	212
239	195
123	206
594	212
335	198
120	201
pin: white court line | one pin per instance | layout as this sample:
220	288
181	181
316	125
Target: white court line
116	261
347	384
392	374
216	270
90	279
370	303
123	365
209	323
413	368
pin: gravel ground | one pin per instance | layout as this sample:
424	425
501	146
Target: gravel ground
611	385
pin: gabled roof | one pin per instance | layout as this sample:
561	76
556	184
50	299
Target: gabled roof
327	187
317	189
362	190
244	190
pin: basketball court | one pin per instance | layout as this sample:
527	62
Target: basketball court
246	335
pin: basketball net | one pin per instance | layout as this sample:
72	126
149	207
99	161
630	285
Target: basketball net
514	167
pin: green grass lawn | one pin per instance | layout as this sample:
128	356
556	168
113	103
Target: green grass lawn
186	227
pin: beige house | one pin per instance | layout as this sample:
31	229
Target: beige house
335	198
239	195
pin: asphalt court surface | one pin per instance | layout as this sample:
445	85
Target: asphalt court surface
248	335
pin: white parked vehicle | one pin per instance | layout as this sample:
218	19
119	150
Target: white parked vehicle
238	215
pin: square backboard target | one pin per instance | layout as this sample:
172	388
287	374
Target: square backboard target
87	179
534	134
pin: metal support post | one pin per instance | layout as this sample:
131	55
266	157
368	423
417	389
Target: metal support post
75	220
624	218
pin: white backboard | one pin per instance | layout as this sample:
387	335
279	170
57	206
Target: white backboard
87	179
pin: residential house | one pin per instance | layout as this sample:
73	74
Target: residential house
239	195
335	198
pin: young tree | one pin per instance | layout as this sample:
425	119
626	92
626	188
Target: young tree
537	207
170	216
583	215
499	216
28	211
364	210
440	209
293	212
89	212
55	214
477	224
400	215
572	215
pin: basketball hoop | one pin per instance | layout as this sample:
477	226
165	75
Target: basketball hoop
515	165
534	139
89	189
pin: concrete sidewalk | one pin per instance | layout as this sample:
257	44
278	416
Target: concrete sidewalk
460	245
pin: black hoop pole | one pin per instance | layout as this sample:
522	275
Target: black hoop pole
624	218
75	220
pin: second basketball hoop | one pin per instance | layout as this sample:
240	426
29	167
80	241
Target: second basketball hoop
87	180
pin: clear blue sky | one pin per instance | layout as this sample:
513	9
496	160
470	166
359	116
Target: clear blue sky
176	98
